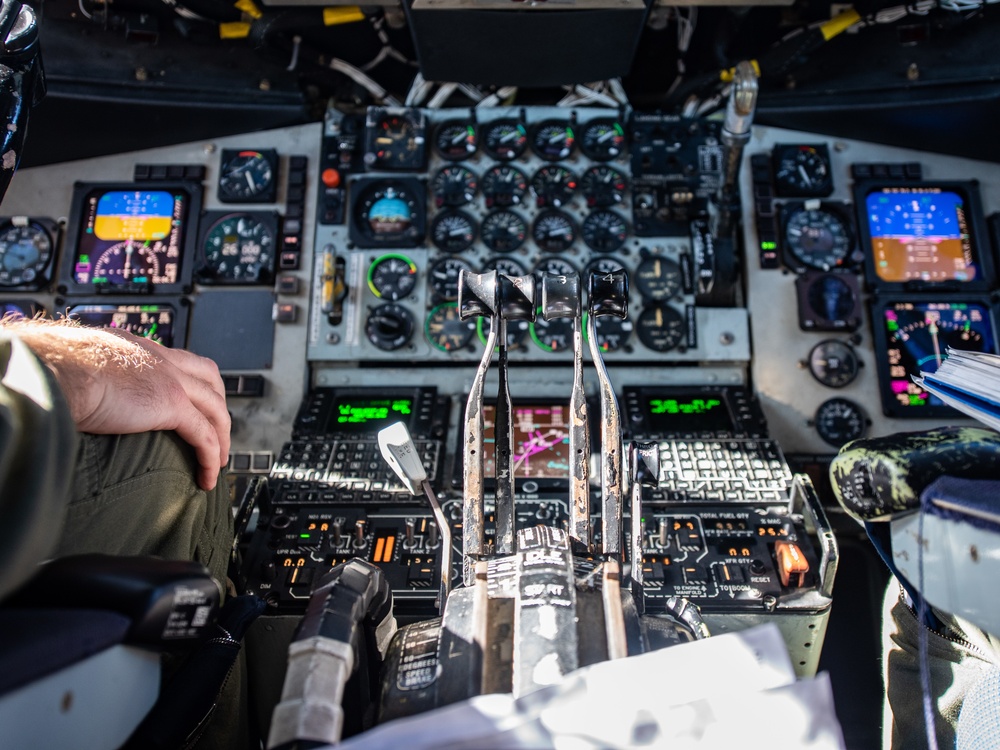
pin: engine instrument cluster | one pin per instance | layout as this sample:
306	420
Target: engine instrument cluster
522	191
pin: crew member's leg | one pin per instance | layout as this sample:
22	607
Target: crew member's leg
137	495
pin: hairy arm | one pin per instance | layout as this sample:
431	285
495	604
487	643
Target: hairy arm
117	383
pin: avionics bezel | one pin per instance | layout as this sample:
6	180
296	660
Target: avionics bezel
360	186
189	242
202	273
890	407
427	420
179	305
975	222
543	484
744	412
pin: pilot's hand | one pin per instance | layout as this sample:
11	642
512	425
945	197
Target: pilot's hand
118	383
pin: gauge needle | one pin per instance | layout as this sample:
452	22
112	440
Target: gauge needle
805	175
127	268
937	344
509	136
250	182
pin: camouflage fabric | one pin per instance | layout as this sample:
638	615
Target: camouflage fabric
877	477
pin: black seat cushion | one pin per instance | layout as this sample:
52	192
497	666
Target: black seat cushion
37	642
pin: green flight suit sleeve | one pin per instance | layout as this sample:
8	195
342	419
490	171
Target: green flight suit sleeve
37	453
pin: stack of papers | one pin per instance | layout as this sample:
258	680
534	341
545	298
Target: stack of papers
969	382
736	690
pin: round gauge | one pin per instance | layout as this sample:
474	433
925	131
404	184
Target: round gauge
442	277
239	248
505	139
839	421
503	231
553	186
661	328
834	363
127	261
397	140
246	176
25	252
553	267
453	231
446	330
658	278
553	140
454	186
517	331
831	298
508	266
602	266
802	171
602	140
603	186
387	214
389	327
817	238
504	186
456	140
554	335
553	231
612	332
604	231
392	277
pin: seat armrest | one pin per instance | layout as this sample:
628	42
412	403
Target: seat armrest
167	601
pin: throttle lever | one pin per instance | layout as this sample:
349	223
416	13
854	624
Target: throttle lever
478	297
607	294
516	302
644	463
401	454
561	299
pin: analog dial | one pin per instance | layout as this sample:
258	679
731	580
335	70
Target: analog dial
517	331
839	421
442	277
505	139
603	186
661	328
503	231
456	140
239	248
602	140
392	277
508	266
454	186
612	332
389	327
834	363
246	176
553	186
453	231
658	278
604	231
553	140
817	238
802	171
128	261
25	253
553	231
554	335
504	186
446	330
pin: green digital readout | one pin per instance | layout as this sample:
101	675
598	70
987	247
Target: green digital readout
687	412
673	406
370	414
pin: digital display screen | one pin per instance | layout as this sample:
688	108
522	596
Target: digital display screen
920	234
131	237
154	322
918	335
369	415
683	413
541	441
